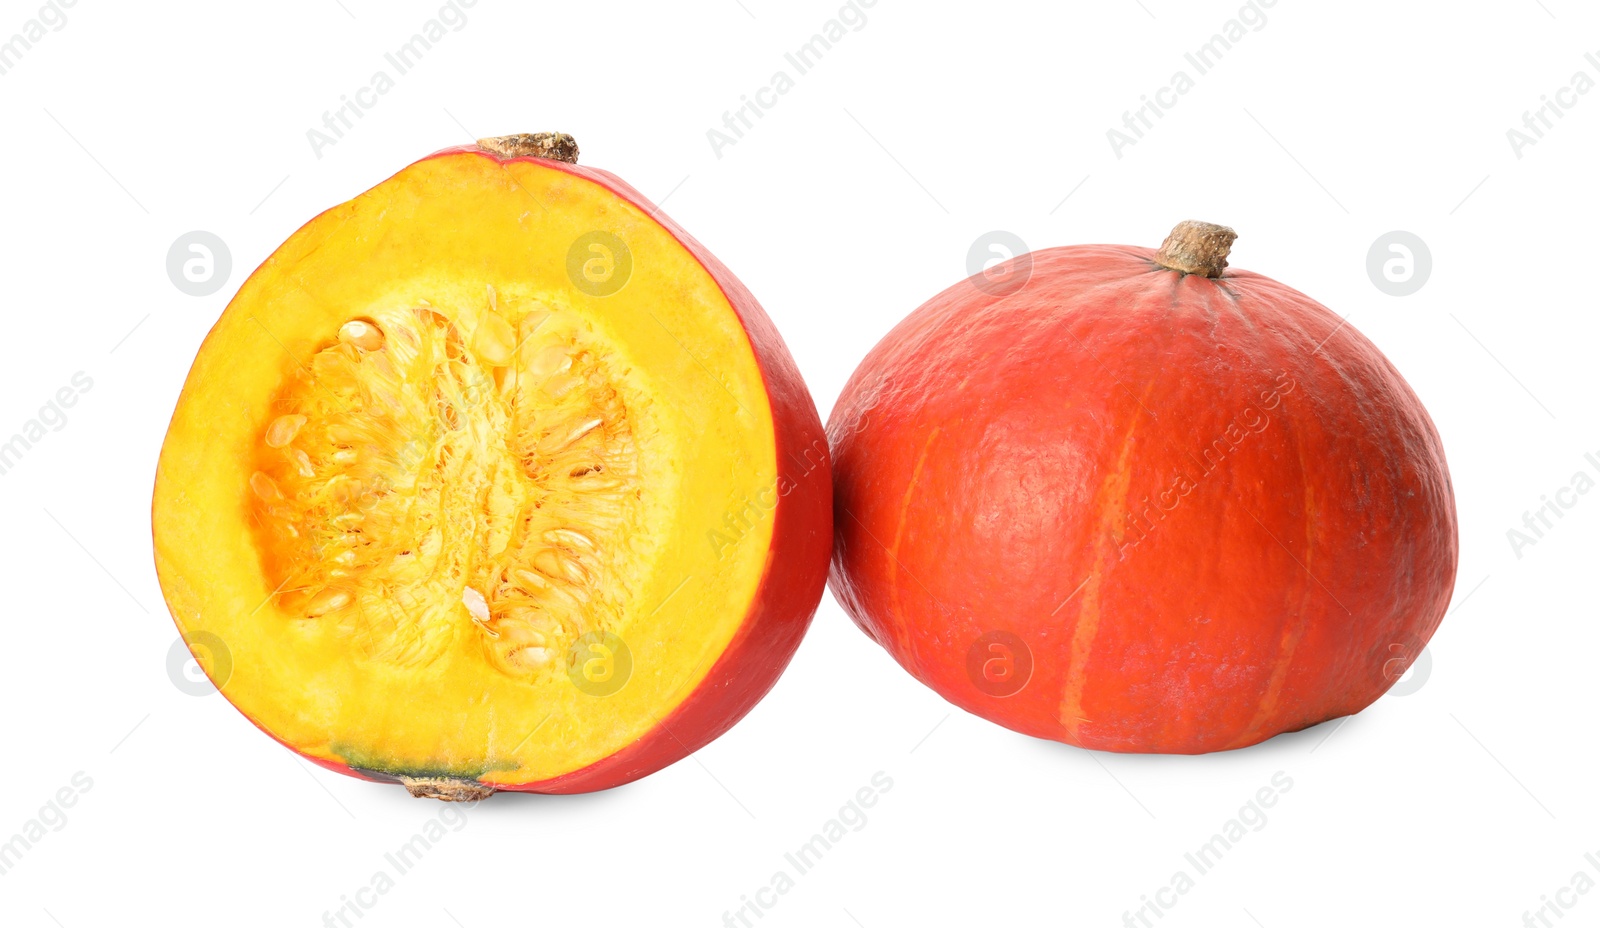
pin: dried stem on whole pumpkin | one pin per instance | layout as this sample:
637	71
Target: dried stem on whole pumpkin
1197	248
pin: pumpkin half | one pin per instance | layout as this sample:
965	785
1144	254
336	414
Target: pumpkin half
492	478
1136	501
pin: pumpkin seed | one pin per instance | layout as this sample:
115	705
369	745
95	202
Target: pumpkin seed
363	335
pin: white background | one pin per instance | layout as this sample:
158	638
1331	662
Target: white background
854	199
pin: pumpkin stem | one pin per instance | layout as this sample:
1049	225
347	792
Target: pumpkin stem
554	146
449	789
1197	248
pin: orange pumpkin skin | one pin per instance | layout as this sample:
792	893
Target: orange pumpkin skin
1208	510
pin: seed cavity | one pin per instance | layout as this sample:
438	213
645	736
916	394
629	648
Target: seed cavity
416	489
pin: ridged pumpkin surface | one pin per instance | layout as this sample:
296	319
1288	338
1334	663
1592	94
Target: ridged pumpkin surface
1208	510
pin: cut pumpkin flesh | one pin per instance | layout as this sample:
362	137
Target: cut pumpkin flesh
471	513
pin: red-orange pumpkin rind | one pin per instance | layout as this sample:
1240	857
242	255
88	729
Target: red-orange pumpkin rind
1211	509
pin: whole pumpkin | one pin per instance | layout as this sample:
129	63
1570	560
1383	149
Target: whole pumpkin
1132	500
